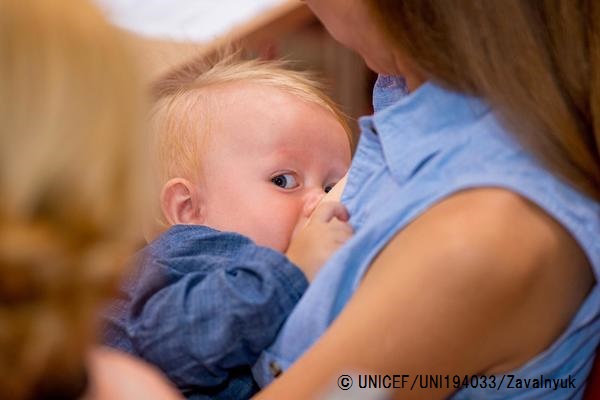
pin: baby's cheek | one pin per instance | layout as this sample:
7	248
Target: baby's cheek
284	219
275	236
284	233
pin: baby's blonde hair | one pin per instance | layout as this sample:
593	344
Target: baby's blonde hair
69	113
182	111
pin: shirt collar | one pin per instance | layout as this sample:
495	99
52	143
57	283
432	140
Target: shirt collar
413	127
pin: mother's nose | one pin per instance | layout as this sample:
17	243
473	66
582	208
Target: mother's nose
311	200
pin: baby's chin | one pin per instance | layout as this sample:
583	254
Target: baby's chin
278	244
283	240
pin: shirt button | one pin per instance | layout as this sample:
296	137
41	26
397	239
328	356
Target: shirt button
275	369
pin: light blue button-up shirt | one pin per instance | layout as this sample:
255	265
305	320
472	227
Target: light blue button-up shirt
414	151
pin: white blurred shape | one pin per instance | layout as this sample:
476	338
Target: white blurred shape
183	20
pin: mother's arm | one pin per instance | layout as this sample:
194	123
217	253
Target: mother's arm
453	293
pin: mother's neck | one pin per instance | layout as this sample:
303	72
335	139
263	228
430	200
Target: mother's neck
406	68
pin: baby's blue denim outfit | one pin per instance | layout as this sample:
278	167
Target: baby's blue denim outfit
201	305
416	150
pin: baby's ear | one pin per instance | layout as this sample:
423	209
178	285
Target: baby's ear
180	202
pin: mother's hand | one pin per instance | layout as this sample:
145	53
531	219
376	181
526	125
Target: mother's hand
118	376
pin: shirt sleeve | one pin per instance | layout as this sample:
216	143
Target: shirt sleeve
198	317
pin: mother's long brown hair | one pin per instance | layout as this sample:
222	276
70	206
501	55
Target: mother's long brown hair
537	62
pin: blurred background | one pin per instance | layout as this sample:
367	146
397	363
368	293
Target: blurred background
164	33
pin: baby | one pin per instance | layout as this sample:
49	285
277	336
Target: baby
246	151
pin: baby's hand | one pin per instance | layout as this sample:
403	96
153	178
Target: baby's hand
322	235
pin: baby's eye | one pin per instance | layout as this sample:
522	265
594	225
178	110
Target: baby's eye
285	181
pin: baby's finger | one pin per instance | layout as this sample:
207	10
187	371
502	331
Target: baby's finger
340	226
330	209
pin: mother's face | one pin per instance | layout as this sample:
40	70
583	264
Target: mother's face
350	23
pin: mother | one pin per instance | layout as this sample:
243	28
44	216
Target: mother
475	203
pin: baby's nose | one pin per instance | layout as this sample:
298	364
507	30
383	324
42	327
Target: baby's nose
311	201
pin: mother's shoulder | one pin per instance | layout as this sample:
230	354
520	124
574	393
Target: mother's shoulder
492	247
499	221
